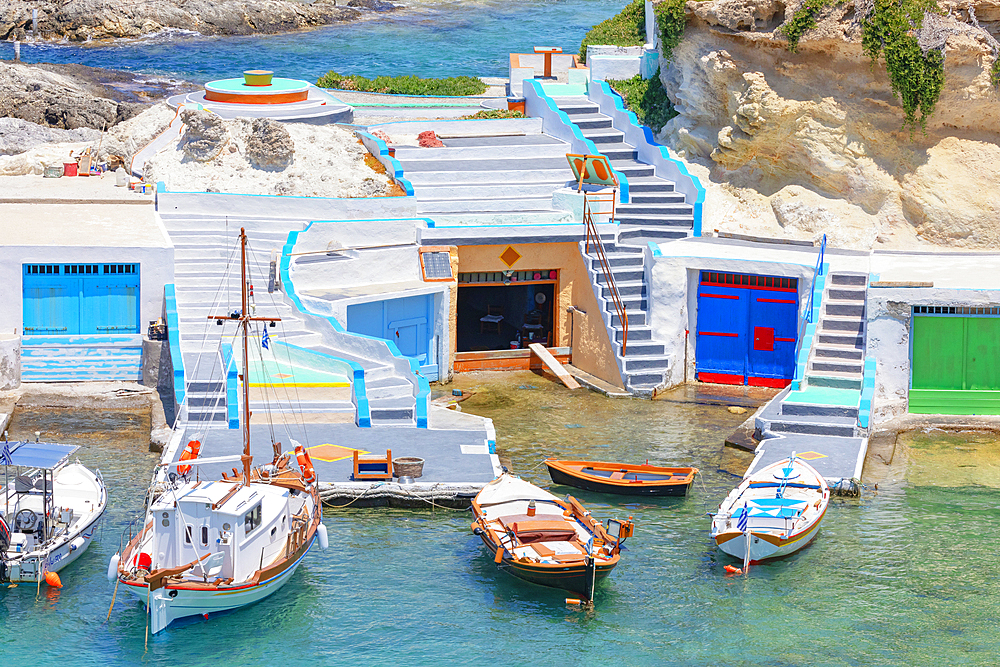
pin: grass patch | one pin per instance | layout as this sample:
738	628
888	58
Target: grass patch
404	85
627	28
491	114
647	99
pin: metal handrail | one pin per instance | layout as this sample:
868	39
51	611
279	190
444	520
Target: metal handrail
817	272
588	220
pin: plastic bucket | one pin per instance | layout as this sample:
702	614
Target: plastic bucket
69	168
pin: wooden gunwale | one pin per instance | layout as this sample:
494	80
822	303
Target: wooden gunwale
575	469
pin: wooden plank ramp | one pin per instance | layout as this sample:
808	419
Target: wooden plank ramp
554	366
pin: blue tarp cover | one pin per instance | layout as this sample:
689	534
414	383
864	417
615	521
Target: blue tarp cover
36	454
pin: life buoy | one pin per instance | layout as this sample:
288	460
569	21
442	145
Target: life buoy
190	452
306	464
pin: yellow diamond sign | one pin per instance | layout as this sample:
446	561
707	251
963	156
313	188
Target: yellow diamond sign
811	456
510	256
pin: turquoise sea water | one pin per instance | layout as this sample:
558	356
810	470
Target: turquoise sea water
904	577
450	38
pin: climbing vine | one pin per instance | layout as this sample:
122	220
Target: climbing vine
917	77
671	22
802	20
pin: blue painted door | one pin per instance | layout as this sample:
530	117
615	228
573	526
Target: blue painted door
69	299
773	317
747	328
407	322
722	333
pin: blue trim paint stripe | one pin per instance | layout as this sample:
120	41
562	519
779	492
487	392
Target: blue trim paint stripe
423	386
382	154
699	201
174	340
232	388
867	393
364	413
623	192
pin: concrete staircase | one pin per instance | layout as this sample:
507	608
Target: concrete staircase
643	365
81	358
487	175
656	212
208	283
837	358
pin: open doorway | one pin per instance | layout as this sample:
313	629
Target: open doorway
504	317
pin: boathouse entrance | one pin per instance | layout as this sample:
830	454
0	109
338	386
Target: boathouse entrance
68	299
408	322
955	366
497	313
746	329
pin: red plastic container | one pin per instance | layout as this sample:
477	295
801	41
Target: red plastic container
69	168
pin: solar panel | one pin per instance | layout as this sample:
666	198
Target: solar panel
437	265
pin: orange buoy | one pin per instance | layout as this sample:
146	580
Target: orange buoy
52	579
305	463
574	601
190	452
732	569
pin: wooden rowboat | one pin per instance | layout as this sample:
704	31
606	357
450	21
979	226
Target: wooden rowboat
622	478
542	539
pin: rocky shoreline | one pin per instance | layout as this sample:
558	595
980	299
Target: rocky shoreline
96	20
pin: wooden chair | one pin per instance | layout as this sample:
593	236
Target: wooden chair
492	319
373	466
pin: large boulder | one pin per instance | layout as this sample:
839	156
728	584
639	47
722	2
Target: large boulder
18	136
205	136
269	145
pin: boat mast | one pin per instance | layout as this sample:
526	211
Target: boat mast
244	319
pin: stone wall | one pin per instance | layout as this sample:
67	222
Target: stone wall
10	362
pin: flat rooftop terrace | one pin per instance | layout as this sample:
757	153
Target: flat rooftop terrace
115	225
68	190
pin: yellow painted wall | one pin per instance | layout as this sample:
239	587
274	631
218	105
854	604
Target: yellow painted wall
592	351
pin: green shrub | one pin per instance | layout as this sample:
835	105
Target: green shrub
627	28
490	114
995	71
802	20
671	22
647	99
404	85
916	77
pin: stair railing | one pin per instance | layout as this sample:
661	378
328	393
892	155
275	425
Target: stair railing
817	272
592	234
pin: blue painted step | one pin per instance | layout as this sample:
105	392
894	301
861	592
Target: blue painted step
81	358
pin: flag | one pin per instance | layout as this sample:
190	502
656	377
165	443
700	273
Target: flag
5	454
265	340
742	523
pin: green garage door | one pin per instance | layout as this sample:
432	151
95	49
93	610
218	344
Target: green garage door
956	365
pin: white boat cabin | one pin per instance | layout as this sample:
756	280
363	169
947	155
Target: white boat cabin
244	527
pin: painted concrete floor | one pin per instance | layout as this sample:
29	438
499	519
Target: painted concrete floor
451	456
825	396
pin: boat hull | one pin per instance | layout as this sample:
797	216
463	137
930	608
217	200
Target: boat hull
168	604
589	483
764	546
26	568
572	578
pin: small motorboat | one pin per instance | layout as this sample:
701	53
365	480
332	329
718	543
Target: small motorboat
622	478
539	538
50	509
774	512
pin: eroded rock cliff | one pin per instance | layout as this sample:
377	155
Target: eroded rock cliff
813	141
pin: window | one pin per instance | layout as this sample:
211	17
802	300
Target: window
251	519
188	530
204	536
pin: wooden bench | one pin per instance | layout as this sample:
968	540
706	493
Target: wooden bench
373	466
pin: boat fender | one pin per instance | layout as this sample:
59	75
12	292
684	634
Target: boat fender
52	579
477	531
324	540
113	566
77	543
190	452
305	463
732	569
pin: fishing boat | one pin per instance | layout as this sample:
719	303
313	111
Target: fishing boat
539	538
774	512
51	509
622	478
212	545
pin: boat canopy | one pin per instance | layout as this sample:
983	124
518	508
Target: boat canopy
779	508
46	455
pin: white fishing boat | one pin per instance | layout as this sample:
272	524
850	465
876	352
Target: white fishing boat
774	512
51	509
211	545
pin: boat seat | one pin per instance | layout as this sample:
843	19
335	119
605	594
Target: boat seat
372	466
618	475
538	528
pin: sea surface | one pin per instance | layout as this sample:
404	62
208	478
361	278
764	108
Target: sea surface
430	38
902	576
